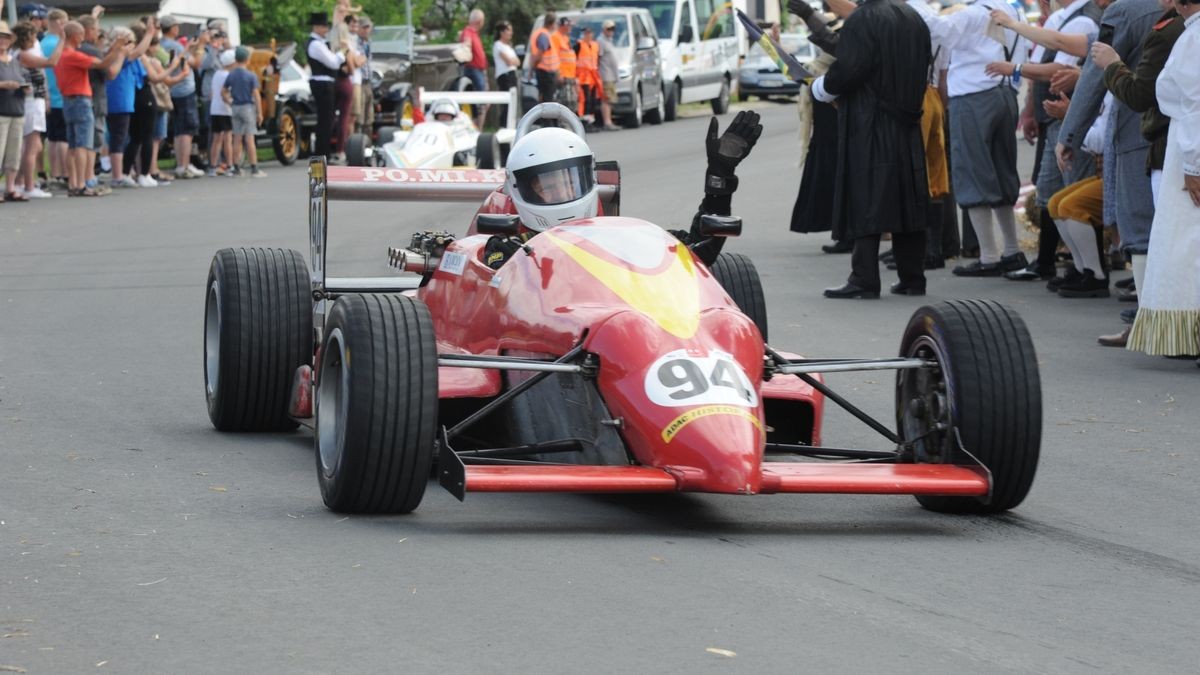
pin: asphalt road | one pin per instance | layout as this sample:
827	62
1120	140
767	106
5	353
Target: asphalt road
135	538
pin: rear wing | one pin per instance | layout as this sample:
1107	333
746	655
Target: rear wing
356	183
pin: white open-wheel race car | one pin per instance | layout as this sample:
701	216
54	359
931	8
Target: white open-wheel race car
432	144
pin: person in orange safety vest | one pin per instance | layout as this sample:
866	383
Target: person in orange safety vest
544	60
568	83
588	67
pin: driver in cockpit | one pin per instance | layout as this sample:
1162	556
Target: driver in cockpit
551	178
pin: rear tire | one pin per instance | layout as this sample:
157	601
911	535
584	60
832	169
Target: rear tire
356	149
287	139
487	152
634	119
671	109
738	276
376	413
257	332
658	114
720	104
988	388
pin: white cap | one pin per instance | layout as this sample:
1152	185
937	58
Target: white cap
227	58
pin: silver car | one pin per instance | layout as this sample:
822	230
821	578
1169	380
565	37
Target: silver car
639	66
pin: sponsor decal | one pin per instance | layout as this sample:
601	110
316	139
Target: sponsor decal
447	176
671	430
453	263
679	379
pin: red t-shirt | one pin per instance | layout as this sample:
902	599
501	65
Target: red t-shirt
72	73
478	57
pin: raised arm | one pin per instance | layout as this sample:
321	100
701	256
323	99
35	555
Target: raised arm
1075	44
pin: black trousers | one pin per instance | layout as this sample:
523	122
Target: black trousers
141	134
323	98
547	84
909	250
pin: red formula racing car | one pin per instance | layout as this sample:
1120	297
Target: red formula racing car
603	356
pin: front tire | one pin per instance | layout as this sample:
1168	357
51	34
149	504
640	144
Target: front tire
376	404
738	276
356	149
286	142
257	332
987	387
634	120
487	152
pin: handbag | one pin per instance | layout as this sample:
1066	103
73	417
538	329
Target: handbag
462	52
162	96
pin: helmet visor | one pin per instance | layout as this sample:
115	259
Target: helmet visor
557	182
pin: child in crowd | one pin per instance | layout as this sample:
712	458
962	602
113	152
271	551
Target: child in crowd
220	150
241	92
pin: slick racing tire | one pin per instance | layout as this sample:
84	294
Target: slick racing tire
356	149
487	152
376	404
986	388
257	332
385	135
738	276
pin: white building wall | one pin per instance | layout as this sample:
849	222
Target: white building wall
200	11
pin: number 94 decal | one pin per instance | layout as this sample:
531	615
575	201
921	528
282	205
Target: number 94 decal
678	379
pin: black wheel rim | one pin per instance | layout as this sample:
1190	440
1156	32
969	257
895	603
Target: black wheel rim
925	413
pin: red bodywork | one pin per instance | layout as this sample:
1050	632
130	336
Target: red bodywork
680	366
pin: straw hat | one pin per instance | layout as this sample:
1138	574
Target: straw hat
4	31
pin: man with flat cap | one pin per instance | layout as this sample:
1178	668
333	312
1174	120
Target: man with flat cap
324	64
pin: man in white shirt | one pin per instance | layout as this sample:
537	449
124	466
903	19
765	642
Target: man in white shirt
1061	43
983	120
324	65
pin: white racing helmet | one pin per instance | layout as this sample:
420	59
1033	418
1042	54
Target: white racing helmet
443	106
552	178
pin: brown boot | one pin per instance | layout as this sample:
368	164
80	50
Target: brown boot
1117	340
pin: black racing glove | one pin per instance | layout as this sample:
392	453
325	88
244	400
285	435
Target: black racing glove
499	249
727	151
800	8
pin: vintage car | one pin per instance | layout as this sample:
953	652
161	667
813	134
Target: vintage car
603	356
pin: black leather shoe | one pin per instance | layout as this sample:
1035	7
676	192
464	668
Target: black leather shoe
1070	276
887	256
1126	283
901	288
1016	261
1030	272
838	247
979	269
1127	296
851	292
1086	286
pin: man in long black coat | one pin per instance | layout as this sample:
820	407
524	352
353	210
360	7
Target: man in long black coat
878	82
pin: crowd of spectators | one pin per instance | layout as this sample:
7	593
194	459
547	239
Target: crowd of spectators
1113	104
78	102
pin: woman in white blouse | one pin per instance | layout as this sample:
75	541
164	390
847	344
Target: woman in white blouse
1168	317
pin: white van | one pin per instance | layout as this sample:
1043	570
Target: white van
700	42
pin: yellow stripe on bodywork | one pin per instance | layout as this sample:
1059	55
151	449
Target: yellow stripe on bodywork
671	297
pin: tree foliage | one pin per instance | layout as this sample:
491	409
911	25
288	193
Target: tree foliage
287	20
